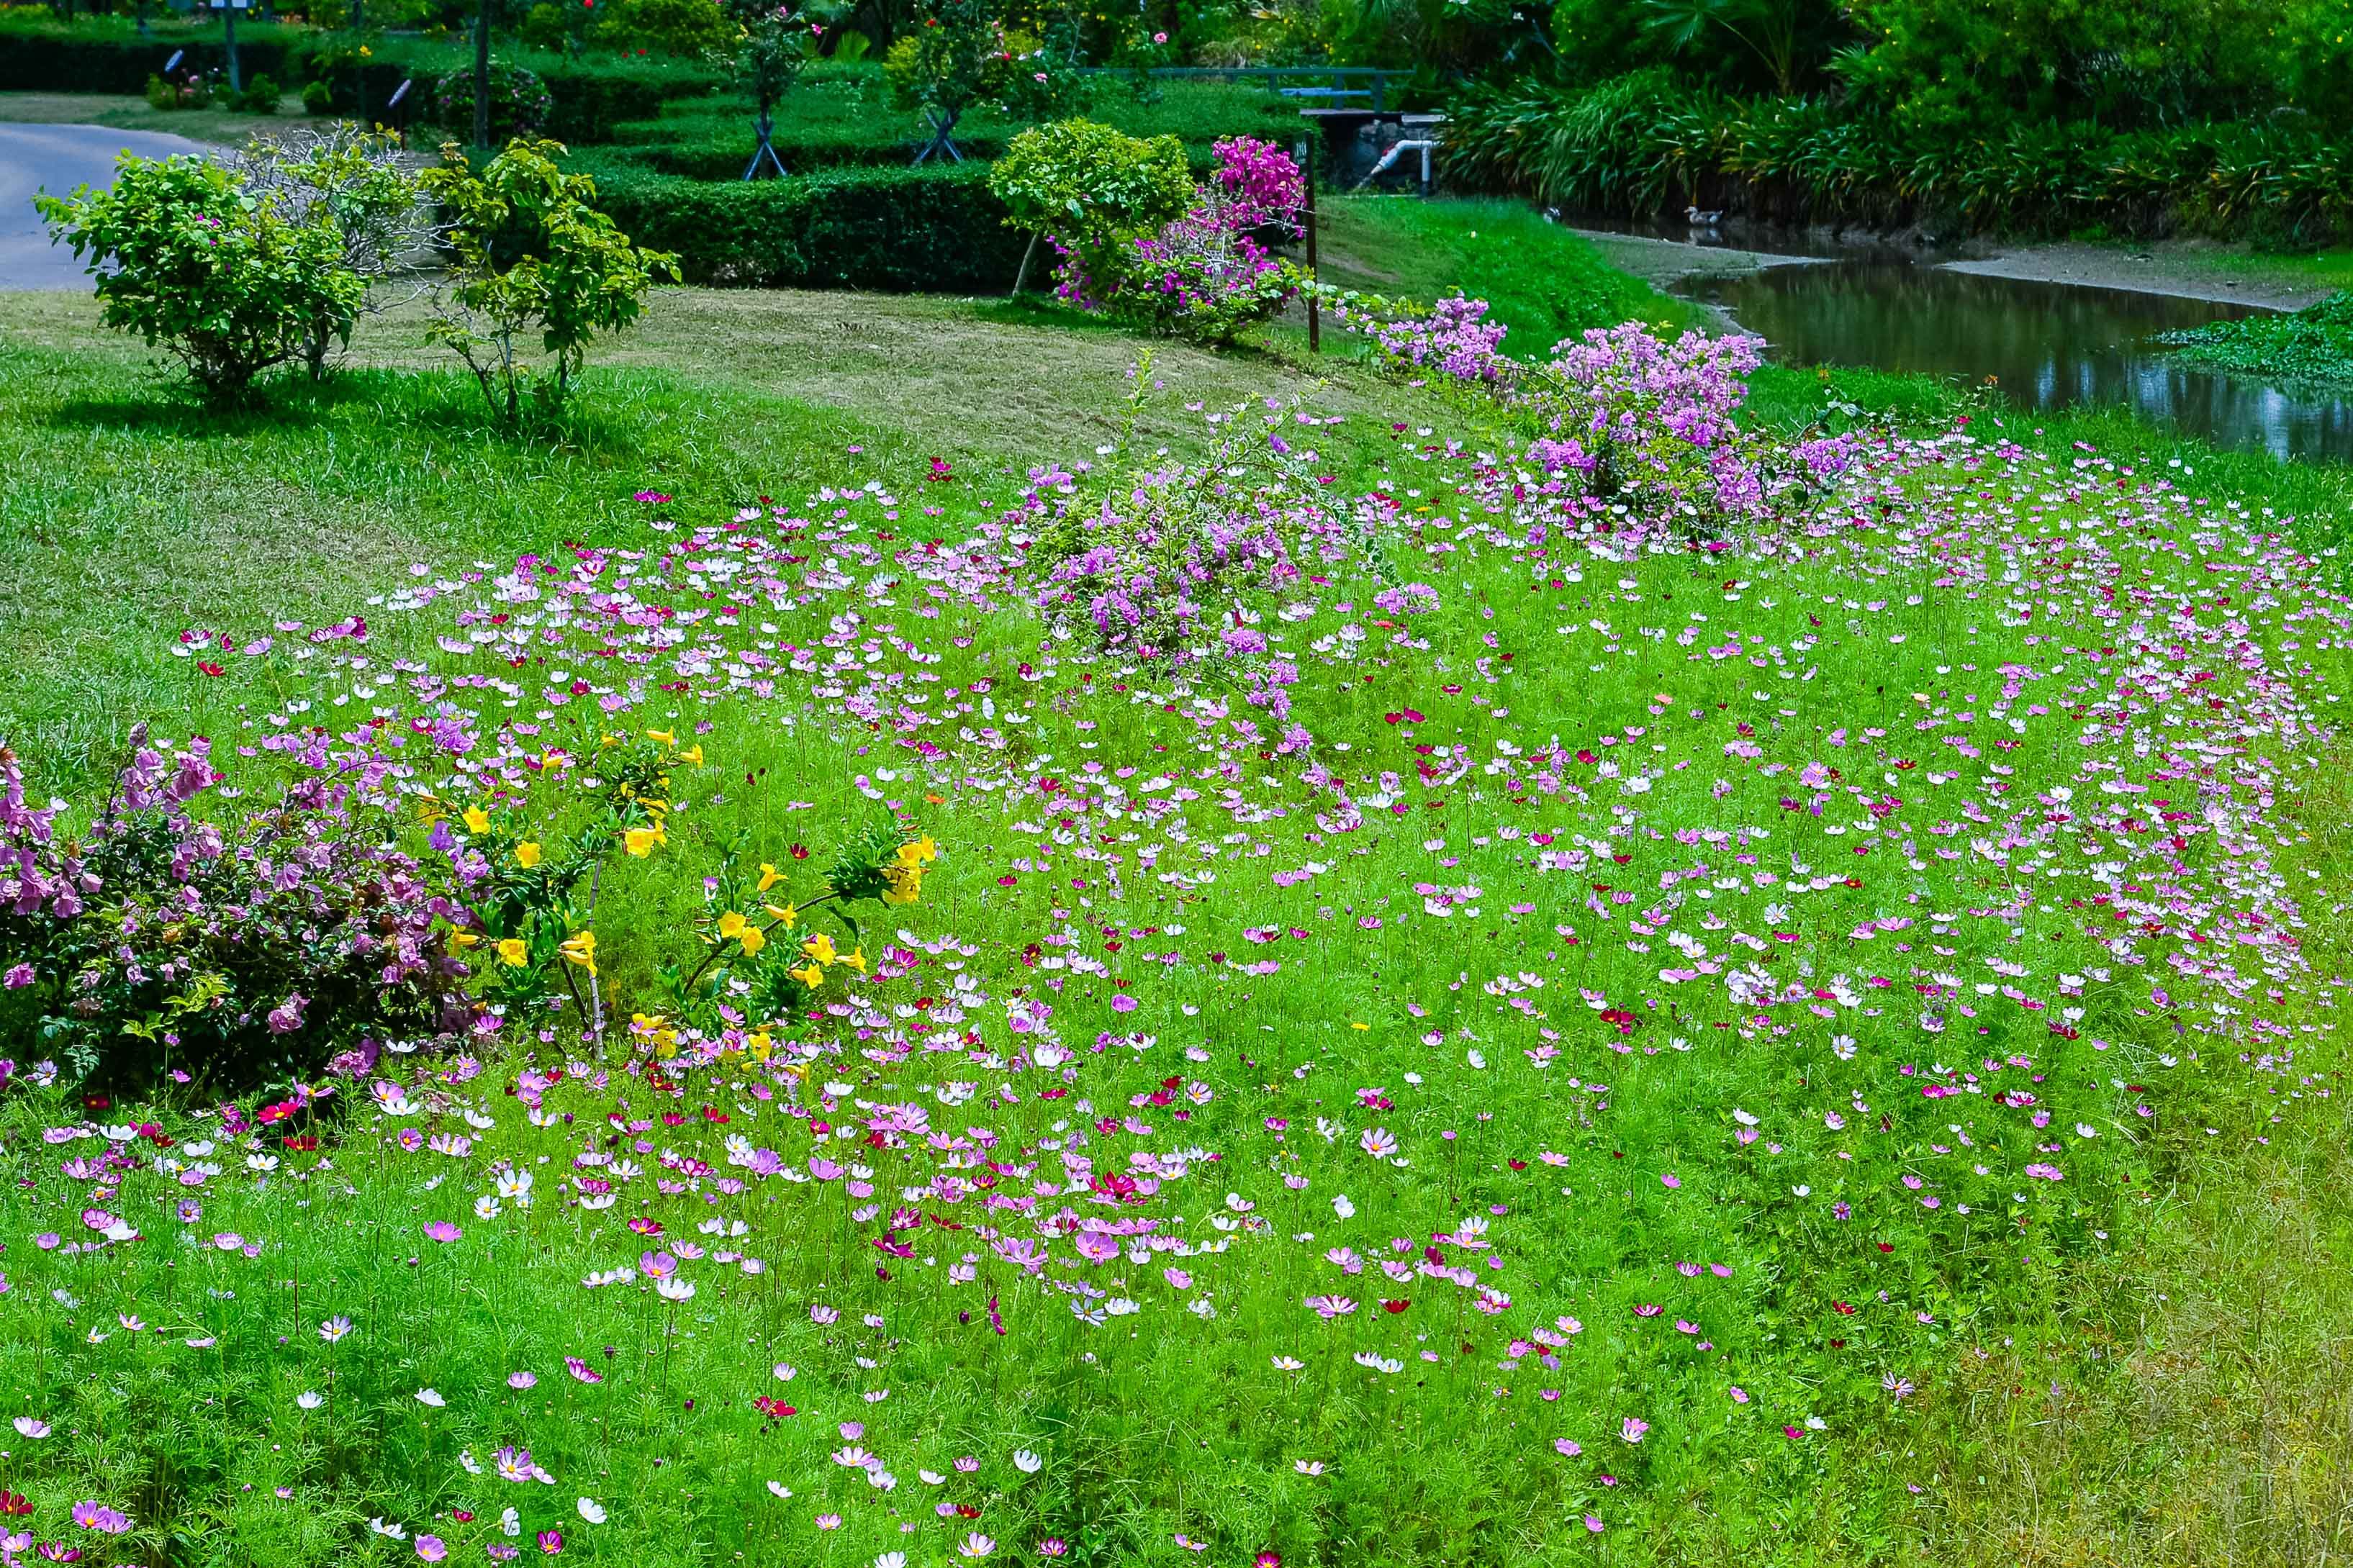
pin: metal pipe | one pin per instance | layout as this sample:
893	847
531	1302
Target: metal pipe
1397	149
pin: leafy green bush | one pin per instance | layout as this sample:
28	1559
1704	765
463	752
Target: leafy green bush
520	102
229	281
531	255
1092	188
350	179
690	29
929	228
1642	143
233	954
261	96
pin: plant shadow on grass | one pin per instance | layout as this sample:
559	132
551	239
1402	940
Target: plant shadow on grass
428	403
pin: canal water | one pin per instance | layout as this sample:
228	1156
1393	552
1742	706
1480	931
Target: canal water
2046	345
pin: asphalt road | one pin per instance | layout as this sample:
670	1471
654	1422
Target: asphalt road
55	159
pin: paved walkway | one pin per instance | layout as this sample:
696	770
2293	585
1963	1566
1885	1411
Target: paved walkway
55	159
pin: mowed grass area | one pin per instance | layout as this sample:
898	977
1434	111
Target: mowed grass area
134	514
2139	1360
120	112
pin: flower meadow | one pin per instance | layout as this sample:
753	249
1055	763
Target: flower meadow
1584	998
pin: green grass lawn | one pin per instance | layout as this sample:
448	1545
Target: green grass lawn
1821	1050
125	113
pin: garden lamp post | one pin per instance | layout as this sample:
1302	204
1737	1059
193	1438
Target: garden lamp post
228	10
482	77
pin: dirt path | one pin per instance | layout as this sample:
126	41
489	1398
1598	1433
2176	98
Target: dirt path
55	159
2194	269
2189	269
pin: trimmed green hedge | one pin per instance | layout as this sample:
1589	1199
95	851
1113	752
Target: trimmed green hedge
593	96
848	117
107	55
937	229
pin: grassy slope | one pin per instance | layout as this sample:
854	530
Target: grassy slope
2196	1396
1544	284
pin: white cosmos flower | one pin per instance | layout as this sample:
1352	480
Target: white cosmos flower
511	1523
1028	1463
591	1509
308	1400
430	1397
784	1371
674	1290
781	1489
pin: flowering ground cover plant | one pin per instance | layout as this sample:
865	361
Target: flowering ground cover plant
1440	1019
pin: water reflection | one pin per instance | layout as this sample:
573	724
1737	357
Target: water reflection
2051	345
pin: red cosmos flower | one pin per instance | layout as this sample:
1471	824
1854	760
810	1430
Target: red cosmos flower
644	1226
301	1145
1396	1306
209	668
774	1409
1842	1308
14	1502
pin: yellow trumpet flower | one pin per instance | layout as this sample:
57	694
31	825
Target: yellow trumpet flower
857	959
463	939
731	924
477	820
641	841
811	976
785	914
581	949
664	736
527	854
512	953
919	852
769	876
753	939
820	948
692	755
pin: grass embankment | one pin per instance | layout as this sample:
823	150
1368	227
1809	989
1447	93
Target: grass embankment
2140	1362
1543	283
